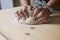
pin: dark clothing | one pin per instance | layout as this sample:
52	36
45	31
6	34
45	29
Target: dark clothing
41	3
46	0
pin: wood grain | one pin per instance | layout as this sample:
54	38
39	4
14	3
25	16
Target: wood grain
13	30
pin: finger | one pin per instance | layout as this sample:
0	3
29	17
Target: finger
48	20
41	14
36	7
43	19
25	11
20	12
40	21
30	10
36	11
18	15
30	7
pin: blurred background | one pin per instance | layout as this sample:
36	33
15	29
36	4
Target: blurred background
6	4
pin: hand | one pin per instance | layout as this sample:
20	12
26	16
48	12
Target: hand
23	12
42	14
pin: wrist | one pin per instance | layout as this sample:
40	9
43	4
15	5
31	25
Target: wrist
49	8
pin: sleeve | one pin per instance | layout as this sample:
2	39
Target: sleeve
39	3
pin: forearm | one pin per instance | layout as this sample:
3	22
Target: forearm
25	2
54	3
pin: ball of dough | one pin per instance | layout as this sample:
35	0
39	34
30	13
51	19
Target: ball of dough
29	21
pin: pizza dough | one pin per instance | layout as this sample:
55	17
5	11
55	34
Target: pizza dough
29	20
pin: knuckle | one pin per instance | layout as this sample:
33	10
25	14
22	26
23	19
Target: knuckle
30	7
20	11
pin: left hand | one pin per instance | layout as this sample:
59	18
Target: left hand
42	14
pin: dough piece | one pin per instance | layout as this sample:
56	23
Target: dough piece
29	21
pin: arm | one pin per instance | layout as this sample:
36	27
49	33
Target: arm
25	2
44	14
54	3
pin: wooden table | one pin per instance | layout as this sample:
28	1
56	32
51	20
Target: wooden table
12	30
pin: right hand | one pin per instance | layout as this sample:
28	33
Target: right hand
22	13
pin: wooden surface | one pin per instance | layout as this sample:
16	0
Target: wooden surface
12	30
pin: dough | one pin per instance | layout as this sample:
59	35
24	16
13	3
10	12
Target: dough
29	21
